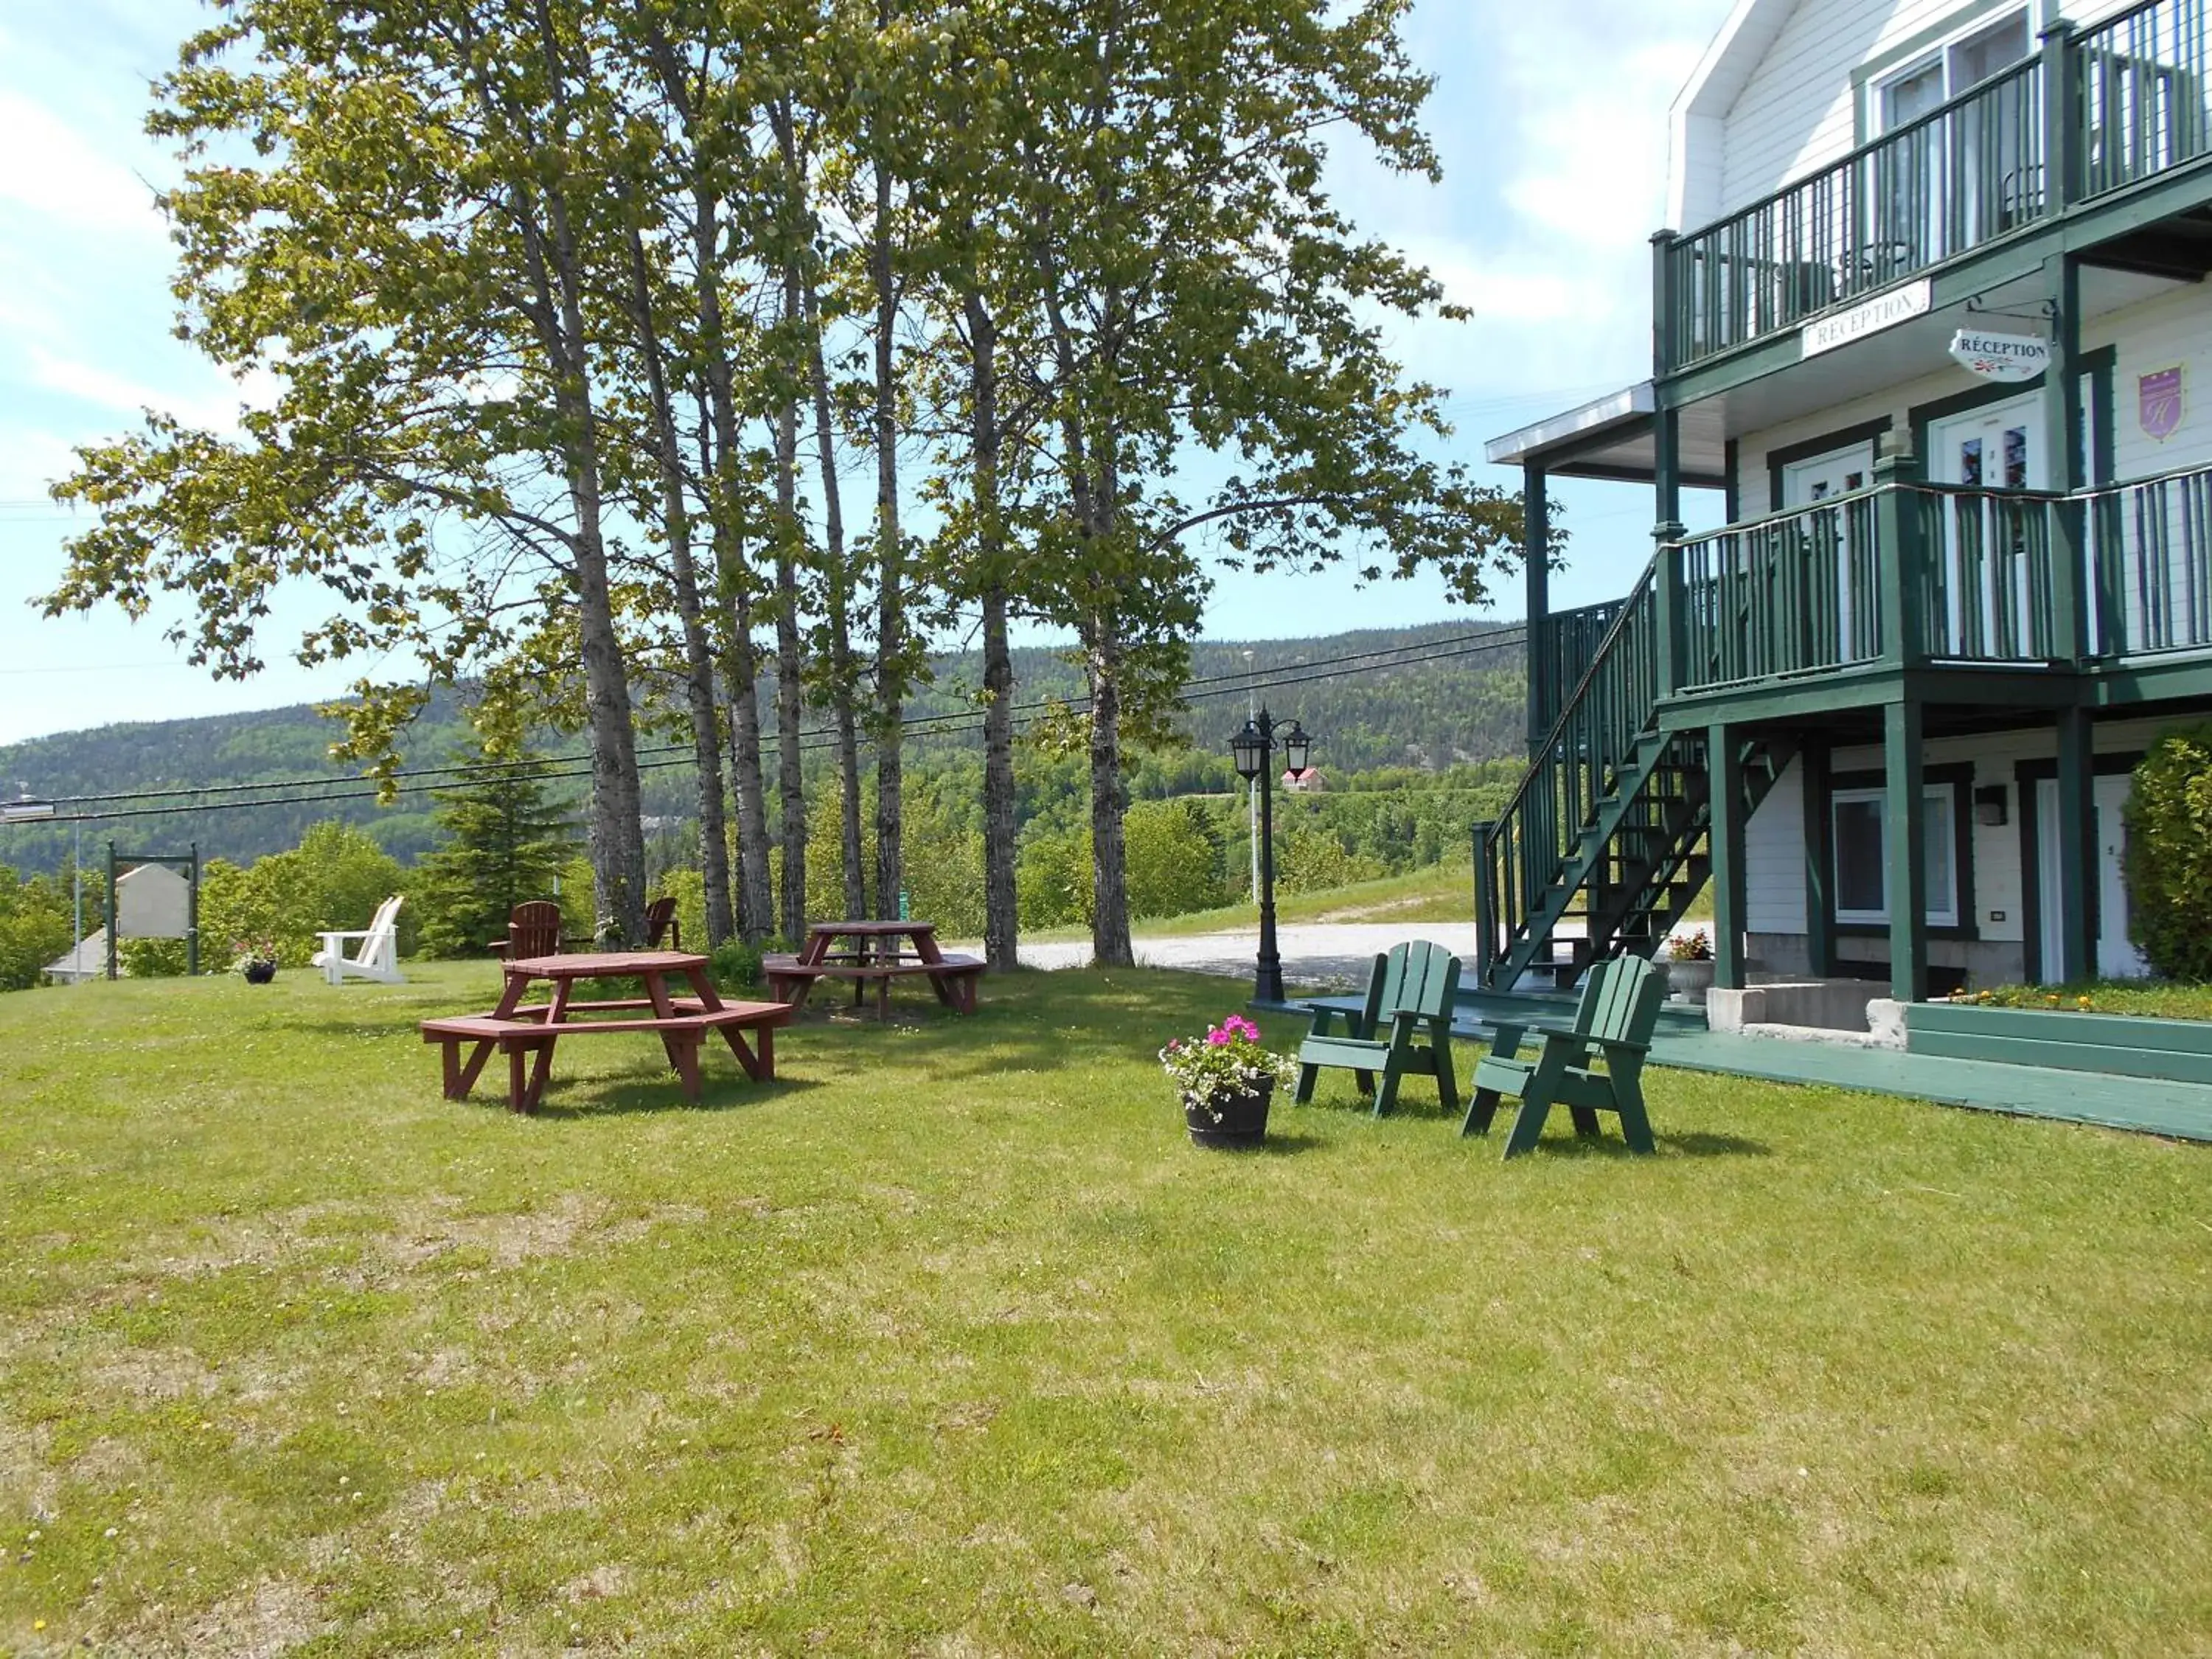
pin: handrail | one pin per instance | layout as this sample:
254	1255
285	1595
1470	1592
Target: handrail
1558	732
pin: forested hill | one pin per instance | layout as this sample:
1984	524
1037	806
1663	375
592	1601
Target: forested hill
1425	697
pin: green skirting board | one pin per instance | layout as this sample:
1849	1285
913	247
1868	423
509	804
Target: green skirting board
2182	1110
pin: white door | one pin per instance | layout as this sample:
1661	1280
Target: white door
1823	478
2117	956
1986	610
1826	476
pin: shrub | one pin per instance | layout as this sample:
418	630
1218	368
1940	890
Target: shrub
736	965
2169	858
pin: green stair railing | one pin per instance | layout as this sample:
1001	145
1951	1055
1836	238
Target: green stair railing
1529	862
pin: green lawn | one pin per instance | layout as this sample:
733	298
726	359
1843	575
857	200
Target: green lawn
949	1343
1442	892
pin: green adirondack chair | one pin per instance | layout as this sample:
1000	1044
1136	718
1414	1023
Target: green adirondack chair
1409	999
1620	1005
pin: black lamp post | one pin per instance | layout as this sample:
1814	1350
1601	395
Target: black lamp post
1254	748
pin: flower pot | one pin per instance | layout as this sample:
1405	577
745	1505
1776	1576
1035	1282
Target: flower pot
1239	1119
259	973
1690	979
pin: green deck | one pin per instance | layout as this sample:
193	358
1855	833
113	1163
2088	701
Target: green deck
2182	1110
2147	1105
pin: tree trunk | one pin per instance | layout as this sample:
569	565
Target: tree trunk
890	619
698	655
616	836
741	680
1001	921
790	687
1110	944
839	620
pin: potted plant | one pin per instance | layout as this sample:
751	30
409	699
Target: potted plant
1225	1079
1690	965
256	958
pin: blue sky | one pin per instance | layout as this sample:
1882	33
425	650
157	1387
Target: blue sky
1551	124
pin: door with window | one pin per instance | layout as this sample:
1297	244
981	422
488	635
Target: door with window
1991	593
1944	186
1833	554
2116	954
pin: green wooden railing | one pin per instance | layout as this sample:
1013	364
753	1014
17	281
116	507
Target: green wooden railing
1959	177
1796	592
1520	858
2152	559
1983	559
1562	646
2141	86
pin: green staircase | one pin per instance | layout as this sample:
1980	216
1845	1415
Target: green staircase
1608	831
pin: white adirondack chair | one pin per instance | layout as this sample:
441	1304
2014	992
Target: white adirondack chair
377	956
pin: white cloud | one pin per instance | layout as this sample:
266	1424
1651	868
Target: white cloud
89	383
55	173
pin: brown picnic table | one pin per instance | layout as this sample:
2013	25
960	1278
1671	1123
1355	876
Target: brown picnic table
873	953
526	1031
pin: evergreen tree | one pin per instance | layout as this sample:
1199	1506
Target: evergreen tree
507	845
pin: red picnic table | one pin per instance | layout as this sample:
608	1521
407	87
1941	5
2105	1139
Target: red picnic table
526	1031
872	952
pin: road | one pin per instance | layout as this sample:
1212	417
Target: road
1313	953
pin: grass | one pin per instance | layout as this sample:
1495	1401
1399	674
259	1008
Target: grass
948	1343
1439	893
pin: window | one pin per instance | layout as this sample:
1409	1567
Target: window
1927	83
1860	823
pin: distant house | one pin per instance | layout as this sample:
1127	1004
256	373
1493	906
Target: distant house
1307	782
87	961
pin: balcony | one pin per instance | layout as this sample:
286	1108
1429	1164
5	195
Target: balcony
1912	574
2098	113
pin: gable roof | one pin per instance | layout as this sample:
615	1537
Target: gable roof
1712	89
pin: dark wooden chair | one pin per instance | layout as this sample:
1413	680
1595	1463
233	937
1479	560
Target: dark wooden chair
1613	1020
1404	1027
661	924
533	929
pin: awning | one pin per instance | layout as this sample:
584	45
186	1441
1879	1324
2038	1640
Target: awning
1611	438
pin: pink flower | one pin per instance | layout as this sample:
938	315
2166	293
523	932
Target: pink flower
1218	1037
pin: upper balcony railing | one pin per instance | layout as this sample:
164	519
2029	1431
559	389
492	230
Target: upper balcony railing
2093	113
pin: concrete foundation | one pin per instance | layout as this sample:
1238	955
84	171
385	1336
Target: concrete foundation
1822	1005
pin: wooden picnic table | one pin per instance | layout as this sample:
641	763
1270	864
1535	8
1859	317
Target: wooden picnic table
527	1031
873	952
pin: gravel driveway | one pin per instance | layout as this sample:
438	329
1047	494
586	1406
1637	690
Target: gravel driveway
1313	953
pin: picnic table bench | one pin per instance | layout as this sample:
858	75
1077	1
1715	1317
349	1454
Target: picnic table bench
871	953
526	1033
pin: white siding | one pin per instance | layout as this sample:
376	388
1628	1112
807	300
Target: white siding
1774	858
2173	330
1794	115
1999	887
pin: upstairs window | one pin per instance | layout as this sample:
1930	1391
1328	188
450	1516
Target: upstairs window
1934	79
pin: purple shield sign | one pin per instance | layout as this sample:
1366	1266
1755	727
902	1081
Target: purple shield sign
2158	403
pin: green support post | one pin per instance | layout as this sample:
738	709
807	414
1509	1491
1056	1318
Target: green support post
1667	588
1486	925
192	919
1724	768
1905	846
2077	849
1897	545
2062	415
1544	693
2063	129
1819	862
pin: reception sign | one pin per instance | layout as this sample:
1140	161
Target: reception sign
2001	357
